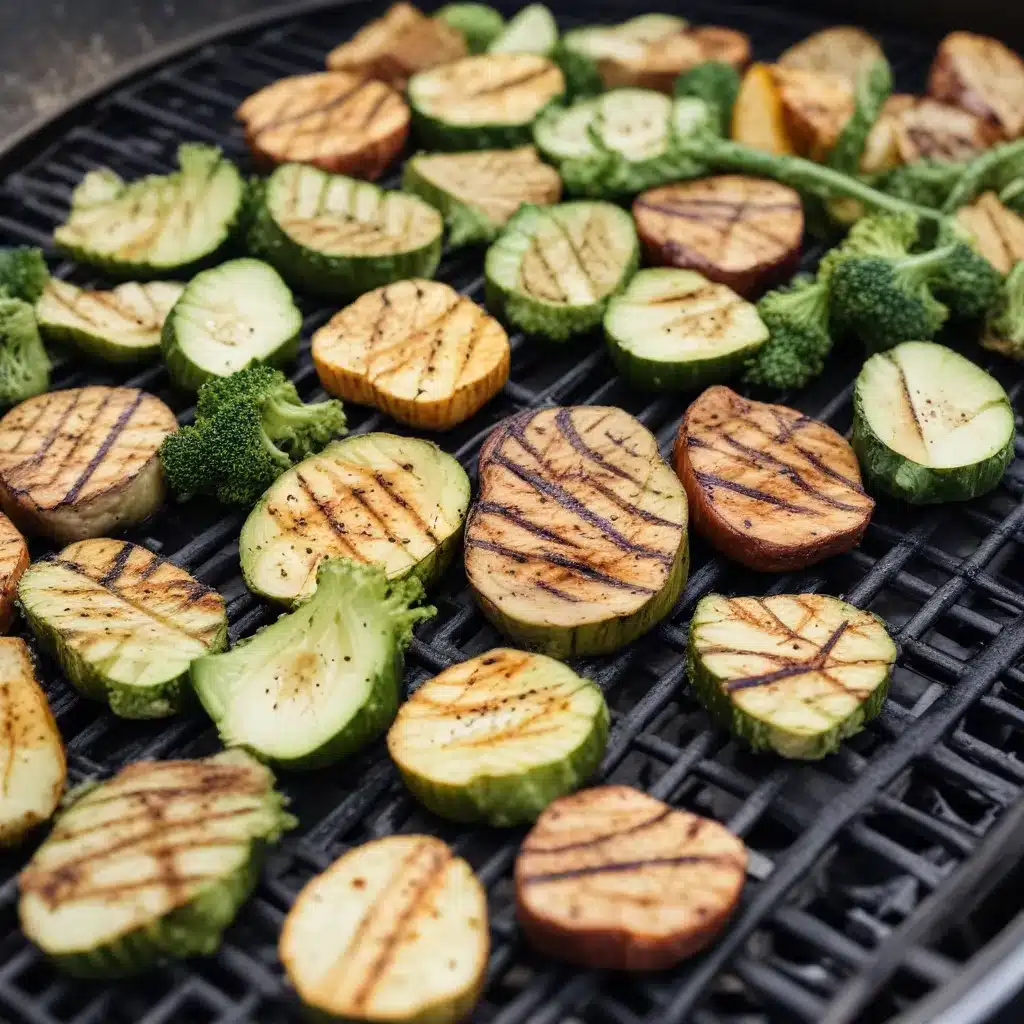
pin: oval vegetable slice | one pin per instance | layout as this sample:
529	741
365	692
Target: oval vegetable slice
151	864
13	563
340	237
840	50
929	426
408	896
577	544
532	30
758	116
795	674
996	230
395	501
83	462
418	350
816	106
334	120
478	23
740	231
613	878
930	130
497	738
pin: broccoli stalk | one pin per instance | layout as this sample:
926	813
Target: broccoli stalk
924	182
1012	196
23	274
987	170
1004	330
24	364
874	86
717	84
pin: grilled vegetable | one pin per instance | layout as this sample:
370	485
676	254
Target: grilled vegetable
118	326
324	679
871	93
816	106
613	878
881	149
13	562
394	930
553	269
997	232
83	462
841	50
1004	328
395	501
123	623
929	426
715	83
577	544
418	350
742	232
24	364
495	739
478	192
334	120
796	674
151	864
340	237
478	23
483	102
674	330
159	224
23	273
929	130
532	30
31	748
758	116
766	485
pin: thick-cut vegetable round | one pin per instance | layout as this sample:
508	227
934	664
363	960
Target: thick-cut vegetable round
340	237
395	501
477	22
532	30
83	462
577	544
816	106
151	864
996	230
767	486
497	738
394	930
795	674
553	269
418	350
841	50
13	562
758	116
228	317
119	326
334	120
160	223
485	102
929	426
929	130
744	232
673	330
613	878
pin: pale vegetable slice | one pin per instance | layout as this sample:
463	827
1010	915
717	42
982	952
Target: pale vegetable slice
796	674
150	865
929	426
532	30
840	50
394	930
495	739
13	563
930	130
398	502
123	623
758	116
418	350
997	231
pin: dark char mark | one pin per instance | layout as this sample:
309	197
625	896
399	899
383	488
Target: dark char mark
617	867
118	564
603	837
814	664
710	480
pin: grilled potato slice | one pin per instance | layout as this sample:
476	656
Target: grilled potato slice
577	544
768	486
13	562
613	878
840	50
31	749
722	44
418	350
758	117
334	120
997	231
882	150
742	232
816	106
83	462
930	130
394	930
395	46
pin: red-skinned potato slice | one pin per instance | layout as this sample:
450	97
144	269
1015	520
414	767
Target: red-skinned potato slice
930	130
997	231
841	50
769	487
13	562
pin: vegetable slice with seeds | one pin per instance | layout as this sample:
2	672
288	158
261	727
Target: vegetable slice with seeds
13	563
123	623
532	30
151	864
410	896
495	739
795	674
477	22
996	230
613	878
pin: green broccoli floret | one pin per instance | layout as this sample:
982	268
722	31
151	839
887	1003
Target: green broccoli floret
24	364
966	282
250	427
714	82
925	182
23	274
874	86
1004	330
880	234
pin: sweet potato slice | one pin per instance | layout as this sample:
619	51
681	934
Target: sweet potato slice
758	117
996	229
816	106
930	130
722	44
13	563
841	50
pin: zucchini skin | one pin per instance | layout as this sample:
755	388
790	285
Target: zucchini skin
466	225
437	134
665	375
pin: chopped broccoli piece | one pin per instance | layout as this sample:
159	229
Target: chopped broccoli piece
924	182
966	282
874	86
23	273
24	364
990	169
714	82
1004	331
880	234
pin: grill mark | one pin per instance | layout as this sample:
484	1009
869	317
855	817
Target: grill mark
399	499
618	867
582	844
151	567
320	108
562	595
117	566
563	420
40	454
815	664
711	480
328	517
228	780
905	387
487	507
509	83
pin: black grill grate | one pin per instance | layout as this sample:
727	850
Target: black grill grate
862	866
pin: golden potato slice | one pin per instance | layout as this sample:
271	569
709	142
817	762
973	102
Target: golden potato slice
882	150
758	117
723	44
816	106
13	563
842	50
996	229
930	130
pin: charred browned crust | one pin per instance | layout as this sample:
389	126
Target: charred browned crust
13	563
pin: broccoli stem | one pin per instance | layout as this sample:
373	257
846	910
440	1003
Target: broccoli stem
981	170
282	415
1013	195
921	267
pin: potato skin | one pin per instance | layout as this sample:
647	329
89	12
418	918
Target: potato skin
14	561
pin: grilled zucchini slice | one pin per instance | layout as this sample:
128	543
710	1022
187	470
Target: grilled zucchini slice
227	318
553	269
151	864
123	623
477	193
485	102
118	326
410	896
929	426
577	544
792	673
418	350
397	502
339	237
840	50
160	224
478	23
83	462
532	30
996	231
495	739
13	562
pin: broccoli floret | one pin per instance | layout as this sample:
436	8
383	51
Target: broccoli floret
1004	331
24	364
966	282
23	274
925	182
874	86
880	234
717	84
